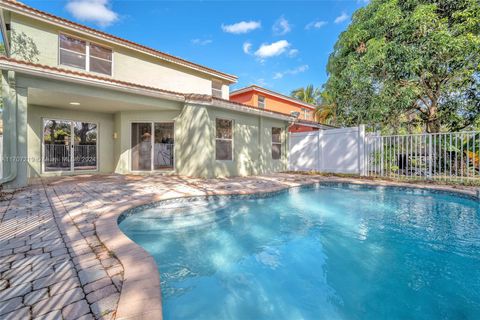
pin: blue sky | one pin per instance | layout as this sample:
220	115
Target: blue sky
281	45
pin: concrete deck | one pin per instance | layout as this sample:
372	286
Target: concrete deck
62	255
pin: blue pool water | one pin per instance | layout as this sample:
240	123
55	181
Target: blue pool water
328	252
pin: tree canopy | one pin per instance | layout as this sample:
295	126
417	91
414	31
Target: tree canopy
404	63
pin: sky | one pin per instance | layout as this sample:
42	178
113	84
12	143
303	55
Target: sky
280	45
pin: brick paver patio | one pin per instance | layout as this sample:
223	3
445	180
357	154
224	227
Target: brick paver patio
54	263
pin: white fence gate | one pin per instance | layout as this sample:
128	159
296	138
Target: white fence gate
333	150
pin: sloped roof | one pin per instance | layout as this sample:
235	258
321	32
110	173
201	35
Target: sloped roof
37	69
21	8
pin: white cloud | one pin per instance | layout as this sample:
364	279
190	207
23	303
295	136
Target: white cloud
201	42
261	82
297	70
247	46
272	49
341	18
281	26
315	25
241	27
96	11
293	53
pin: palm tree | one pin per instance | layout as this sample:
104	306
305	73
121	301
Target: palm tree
308	94
326	112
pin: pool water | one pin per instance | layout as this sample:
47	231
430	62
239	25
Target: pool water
325	252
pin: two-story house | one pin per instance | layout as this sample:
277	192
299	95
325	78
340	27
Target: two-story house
266	99
79	100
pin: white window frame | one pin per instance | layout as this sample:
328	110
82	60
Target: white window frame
304	113
87	54
307	114
263	102
218	91
232	139
152	160
280	143
72	154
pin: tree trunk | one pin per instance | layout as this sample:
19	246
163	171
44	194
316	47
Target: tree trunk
53	127
83	132
433	125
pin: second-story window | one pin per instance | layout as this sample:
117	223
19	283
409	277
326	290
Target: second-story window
84	55
308	115
73	52
261	102
100	59
216	89
305	113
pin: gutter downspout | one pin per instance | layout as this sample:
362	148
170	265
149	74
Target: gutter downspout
11	109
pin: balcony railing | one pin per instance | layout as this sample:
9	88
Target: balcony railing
58	156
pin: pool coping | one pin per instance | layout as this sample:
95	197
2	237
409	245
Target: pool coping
140	297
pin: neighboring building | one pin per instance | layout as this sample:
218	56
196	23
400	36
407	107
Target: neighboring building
90	102
262	98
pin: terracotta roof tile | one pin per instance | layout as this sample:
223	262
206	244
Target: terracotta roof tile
167	56
86	75
186	96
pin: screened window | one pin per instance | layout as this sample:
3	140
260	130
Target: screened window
85	55
224	139
276	143
73	52
216	89
261	101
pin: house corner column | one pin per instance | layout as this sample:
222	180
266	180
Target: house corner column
15	150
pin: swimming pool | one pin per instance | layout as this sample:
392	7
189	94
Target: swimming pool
332	251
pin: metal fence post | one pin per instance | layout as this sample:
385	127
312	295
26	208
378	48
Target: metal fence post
430	156
361	149
382	153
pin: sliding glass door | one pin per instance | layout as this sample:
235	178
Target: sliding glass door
152	146
57	149
141	146
69	145
85	146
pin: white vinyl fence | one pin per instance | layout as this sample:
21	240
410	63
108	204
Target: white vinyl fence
438	156
333	150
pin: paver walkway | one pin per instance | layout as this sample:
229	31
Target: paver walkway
52	263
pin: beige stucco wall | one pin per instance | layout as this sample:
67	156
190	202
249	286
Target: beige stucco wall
194	130
195	135
123	121
36	116
194	140
128	65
